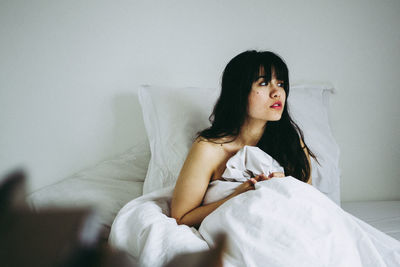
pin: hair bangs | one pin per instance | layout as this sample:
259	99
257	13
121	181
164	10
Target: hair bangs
270	64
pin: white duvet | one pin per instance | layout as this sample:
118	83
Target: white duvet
283	222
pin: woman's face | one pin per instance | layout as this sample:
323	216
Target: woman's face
263	98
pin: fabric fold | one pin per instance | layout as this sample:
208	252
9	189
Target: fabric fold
248	162
283	222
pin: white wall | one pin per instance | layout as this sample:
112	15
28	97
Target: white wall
69	72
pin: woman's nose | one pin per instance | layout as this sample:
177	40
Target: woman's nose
275	93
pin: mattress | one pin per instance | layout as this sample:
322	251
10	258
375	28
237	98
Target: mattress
383	215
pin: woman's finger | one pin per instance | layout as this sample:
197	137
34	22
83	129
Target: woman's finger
277	174
263	177
260	177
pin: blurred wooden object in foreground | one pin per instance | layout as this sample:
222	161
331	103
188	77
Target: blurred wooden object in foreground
53	237
66	237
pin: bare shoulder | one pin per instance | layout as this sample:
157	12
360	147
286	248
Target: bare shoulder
204	150
207	146
204	159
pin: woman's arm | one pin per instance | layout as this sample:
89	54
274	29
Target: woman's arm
308	158
197	215
193	181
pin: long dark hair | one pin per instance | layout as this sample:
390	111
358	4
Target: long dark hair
281	139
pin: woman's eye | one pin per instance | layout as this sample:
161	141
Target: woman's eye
280	84
263	83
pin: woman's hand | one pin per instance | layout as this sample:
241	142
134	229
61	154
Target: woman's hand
249	184
276	174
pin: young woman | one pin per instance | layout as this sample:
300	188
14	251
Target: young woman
251	110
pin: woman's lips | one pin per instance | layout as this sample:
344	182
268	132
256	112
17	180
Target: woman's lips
277	105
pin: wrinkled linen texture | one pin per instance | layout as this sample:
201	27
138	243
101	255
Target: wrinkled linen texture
283	222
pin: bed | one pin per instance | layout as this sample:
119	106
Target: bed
172	116
109	193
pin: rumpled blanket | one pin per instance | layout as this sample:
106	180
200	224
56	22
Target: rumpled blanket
283	222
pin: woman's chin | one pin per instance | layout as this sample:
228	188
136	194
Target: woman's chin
277	118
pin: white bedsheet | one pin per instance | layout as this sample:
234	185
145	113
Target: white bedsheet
383	215
106	186
284	222
144	229
309	226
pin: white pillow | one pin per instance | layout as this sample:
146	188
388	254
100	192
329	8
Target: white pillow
106	186
173	116
309	108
